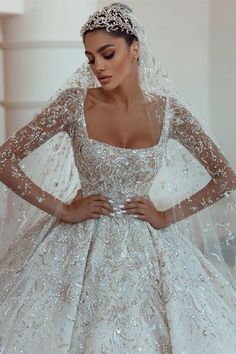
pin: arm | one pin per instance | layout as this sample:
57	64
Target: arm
52	120
188	131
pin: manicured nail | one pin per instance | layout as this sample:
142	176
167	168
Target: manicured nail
123	211
115	208
128	200
112	214
110	201
121	206
135	216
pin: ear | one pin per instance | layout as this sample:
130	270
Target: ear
135	50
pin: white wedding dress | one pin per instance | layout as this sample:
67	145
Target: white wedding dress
115	284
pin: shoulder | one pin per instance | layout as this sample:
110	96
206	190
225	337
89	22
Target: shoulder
155	97
71	93
93	98
183	121
156	101
70	99
178	108
66	104
94	94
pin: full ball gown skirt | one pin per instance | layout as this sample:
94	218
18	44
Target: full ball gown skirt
115	284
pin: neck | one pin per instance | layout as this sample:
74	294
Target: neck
126	94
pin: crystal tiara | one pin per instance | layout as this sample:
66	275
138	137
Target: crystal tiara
111	18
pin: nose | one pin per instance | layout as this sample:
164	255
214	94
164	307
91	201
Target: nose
100	65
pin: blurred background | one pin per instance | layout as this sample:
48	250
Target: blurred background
40	46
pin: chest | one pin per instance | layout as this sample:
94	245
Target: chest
139	127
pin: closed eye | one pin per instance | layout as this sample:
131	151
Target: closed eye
104	56
109	56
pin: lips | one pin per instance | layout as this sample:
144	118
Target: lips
104	79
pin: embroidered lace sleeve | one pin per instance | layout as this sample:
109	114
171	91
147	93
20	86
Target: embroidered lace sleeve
56	117
59	115
188	131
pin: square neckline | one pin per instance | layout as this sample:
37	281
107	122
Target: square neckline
103	143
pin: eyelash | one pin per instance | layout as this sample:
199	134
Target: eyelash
106	57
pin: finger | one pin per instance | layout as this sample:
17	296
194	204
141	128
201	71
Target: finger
130	205
99	197
95	216
105	205
139	199
134	205
101	211
141	217
137	211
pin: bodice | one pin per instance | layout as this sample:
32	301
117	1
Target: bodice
115	172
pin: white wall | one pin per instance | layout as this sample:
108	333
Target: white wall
11	7
2	111
7	8
223	74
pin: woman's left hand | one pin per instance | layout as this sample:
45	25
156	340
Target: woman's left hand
144	209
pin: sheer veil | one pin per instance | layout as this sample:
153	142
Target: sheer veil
190	159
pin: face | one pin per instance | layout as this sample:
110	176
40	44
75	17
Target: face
110	57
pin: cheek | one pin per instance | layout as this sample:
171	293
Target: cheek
122	65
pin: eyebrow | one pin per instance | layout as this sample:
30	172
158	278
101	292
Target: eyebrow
99	50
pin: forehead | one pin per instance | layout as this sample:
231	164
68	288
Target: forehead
96	39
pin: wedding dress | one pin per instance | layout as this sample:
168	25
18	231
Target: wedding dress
117	285
113	284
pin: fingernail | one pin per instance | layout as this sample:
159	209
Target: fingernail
128	200
115	208
110	201
135	216
121	206
112	214
123	211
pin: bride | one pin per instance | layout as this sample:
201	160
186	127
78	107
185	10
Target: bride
103	262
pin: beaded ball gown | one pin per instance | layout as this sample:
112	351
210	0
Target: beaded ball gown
115	284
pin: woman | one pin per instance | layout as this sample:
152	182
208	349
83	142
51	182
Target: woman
108	270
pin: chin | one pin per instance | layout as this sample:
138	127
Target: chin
110	86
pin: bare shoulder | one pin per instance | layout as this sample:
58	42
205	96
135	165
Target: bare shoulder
93	92
92	97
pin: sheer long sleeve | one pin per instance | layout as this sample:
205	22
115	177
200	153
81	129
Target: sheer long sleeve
58	116
187	130
55	118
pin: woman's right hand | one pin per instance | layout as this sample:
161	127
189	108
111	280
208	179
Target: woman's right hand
91	207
